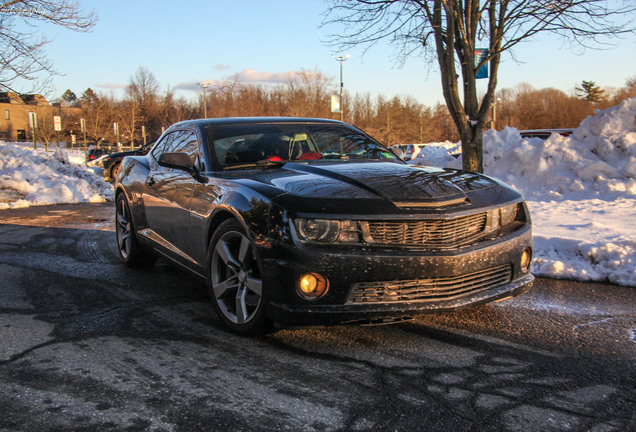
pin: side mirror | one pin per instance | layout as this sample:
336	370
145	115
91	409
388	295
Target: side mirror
178	161
183	162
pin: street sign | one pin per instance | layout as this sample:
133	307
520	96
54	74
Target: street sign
480	53
335	103
83	124
33	120
57	123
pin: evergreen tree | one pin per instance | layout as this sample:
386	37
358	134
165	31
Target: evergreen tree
590	92
69	98
89	96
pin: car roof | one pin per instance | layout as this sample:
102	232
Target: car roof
255	120
547	131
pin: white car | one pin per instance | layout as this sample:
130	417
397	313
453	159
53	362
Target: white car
409	151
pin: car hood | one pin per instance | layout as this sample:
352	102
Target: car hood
404	186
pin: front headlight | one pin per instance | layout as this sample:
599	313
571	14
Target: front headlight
327	231
502	216
508	214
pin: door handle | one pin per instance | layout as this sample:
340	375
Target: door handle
151	181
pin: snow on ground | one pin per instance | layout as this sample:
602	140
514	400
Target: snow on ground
31	177
581	191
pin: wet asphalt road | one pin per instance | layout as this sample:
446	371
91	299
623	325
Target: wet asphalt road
87	344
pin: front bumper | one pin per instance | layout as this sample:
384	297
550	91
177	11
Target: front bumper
289	315
346	269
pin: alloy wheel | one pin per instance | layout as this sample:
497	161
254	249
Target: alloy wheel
236	282
123	227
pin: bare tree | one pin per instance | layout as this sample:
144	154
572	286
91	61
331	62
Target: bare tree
306	93
22	53
46	129
452	30
99	113
175	109
143	104
623	93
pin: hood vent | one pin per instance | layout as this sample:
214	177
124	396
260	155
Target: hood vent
431	204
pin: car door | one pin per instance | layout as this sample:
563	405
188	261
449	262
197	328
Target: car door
167	195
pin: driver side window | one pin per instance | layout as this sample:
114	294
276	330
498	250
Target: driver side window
178	142
162	145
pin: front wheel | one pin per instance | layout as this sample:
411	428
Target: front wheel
128	247
235	283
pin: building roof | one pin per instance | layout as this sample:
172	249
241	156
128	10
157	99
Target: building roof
23	99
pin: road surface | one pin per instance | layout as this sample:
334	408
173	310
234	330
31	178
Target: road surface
88	344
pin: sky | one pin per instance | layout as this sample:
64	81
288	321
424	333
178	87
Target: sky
184	43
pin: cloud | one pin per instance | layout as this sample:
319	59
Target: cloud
195	85
220	67
250	76
111	86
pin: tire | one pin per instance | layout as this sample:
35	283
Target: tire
235	283
130	252
114	171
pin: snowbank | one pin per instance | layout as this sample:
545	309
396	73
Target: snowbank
581	190
31	177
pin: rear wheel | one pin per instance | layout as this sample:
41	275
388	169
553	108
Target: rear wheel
235	283
129	249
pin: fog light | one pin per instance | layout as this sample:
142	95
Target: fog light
311	286
526	260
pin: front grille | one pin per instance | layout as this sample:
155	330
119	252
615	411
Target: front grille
436	233
430	289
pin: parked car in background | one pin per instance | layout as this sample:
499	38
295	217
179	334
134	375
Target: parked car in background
544	133
409	151
112	162
298	222
95	153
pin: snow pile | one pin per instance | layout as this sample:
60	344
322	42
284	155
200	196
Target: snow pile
31	177
439	154
599	157
581	191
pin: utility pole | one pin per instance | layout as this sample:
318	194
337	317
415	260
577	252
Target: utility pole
83	127
341	59
33	120
204	86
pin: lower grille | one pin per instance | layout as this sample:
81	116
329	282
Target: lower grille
429	289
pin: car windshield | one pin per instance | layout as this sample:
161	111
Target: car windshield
249	145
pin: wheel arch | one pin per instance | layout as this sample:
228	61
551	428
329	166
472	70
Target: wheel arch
241	208
134	210
218	218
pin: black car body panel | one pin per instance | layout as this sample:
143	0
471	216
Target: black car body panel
391	269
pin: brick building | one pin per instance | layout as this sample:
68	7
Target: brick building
14	115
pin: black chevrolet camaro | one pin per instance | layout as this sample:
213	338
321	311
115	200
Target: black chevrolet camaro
297	222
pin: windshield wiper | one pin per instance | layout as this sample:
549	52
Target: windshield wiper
267	163
264	163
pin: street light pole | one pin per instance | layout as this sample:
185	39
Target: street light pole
204	86
341	59
493	117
